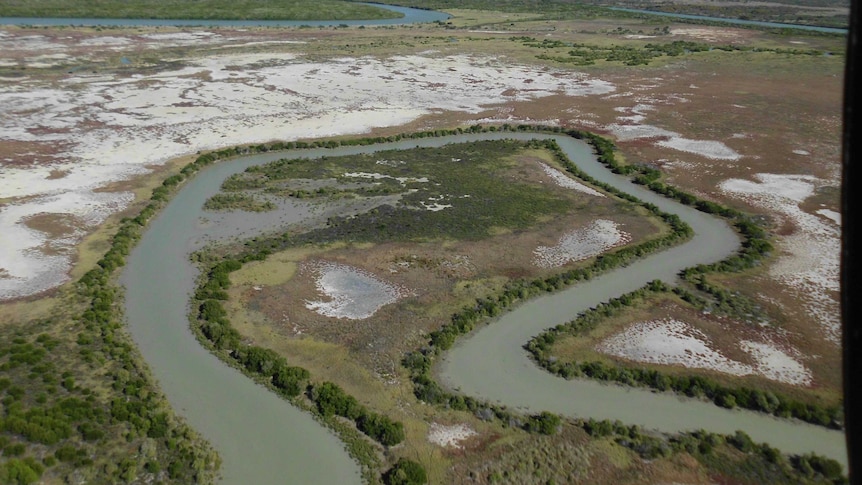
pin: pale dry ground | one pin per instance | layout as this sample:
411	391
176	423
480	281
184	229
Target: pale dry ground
79	125
582	243
449	436
672	342
811	262
349	292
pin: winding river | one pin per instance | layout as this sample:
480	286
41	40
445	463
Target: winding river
264	440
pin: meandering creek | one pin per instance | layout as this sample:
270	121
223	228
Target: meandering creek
264	440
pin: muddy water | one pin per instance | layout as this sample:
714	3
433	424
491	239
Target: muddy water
264	440
260	437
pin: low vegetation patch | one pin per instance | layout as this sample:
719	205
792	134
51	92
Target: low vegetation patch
635	55
228	202
79	403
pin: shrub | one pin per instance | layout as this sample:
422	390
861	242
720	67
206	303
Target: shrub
405	472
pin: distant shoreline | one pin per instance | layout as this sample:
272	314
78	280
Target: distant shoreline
408	16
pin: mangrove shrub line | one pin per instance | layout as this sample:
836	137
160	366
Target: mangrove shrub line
693	386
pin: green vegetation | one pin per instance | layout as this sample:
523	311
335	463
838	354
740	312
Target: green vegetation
561	9
196	10
76	390
550	9
229	202
736	456
332	400
634	55
405	472
456	175
786	14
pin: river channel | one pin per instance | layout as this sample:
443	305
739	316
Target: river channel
262	439
754	23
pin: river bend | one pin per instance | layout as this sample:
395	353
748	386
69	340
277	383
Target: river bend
262	439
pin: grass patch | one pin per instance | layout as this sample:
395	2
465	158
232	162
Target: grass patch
460	191
243	202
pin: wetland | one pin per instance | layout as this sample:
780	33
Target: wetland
359	267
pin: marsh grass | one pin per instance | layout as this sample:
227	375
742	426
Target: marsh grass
473	178
243	202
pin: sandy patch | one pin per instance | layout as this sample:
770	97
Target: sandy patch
435	203
567	182
773	363
710	34
810	259
714	150
449	436
378	176
670	342
831	215
630	127
353	294
580	244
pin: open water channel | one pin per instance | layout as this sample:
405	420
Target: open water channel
264	440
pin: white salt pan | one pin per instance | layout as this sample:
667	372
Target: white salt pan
110	127
565	181
810	260
354	294
449	436
670	342
594	239
774	364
